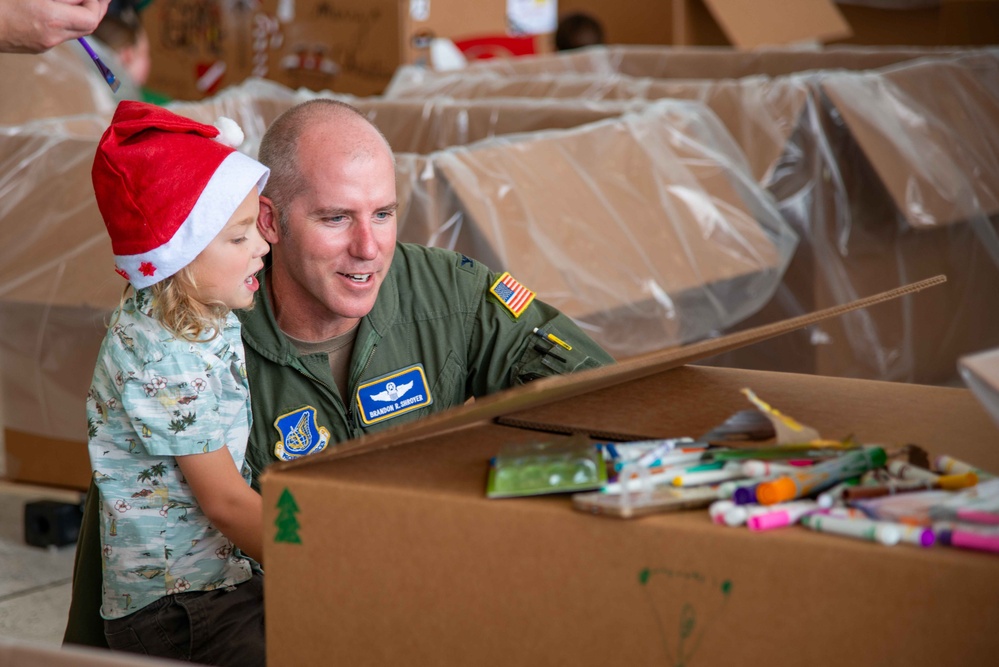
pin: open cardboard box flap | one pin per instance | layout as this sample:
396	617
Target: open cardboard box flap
768	22
549	390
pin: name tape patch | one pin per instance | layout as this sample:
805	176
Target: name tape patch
394	394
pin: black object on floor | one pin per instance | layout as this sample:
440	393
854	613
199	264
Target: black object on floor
51	523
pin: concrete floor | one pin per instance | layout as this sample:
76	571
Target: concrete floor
34	582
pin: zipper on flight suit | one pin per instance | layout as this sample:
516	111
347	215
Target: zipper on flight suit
333	394
351	421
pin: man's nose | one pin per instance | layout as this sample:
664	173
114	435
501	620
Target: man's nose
363	244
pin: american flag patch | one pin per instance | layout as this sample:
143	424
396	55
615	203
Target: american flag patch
512	294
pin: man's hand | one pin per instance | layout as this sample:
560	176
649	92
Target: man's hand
35	26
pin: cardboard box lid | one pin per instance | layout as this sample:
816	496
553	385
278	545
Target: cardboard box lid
562	387
931	131
766	22
626	215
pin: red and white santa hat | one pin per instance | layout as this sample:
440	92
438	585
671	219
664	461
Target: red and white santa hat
166	186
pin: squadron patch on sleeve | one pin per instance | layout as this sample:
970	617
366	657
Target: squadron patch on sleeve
514	296
394	394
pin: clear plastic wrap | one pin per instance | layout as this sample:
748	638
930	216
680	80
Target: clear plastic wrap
647	229
58	83
888	175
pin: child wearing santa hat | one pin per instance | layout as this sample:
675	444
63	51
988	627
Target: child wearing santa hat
169	407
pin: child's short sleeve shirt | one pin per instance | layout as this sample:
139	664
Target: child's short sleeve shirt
155	397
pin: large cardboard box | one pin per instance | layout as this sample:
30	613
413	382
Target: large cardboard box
647	229
199	47
418	566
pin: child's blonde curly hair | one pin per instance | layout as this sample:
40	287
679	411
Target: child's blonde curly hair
177	309
180	312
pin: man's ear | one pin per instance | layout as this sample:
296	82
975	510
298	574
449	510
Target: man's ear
267	221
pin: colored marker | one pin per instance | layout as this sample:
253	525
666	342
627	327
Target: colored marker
738	515
968	539
660	450
727	489
948	465
664	461
946	482
633	482
636	448
921	536
904	470
784	452
820	476
778	516
717	510
758	468
701	477
745	495
834	495
553	338
105	71
881	532
845	512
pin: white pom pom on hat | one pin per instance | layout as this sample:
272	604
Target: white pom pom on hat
230	133
166	186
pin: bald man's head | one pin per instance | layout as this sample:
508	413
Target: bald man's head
337	125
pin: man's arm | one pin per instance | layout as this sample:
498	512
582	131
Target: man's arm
505	350
35	26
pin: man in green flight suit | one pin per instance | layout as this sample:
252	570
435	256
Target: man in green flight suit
353	332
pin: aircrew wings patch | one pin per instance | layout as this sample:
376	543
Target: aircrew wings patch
512	294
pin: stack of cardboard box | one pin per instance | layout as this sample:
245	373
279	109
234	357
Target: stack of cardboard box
845	154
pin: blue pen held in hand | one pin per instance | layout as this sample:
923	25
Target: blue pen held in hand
105	72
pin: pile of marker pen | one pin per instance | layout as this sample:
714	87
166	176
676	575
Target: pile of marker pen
857	491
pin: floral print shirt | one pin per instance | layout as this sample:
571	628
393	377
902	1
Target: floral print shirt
155	397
